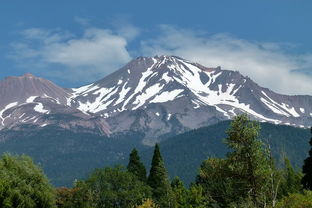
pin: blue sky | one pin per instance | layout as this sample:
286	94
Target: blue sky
75	42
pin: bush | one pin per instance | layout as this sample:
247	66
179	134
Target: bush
111	187
296	200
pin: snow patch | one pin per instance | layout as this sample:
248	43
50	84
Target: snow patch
197	104
39	108
142	82
122	95
103	95
31	99
149	93
302	110
273	107
166	96
283	108
11	105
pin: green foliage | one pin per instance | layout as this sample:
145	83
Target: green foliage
291	180
180	192
111	187
135	166
159	182
69	155
307	169
207	142
72	155
148	203
189	198
248	163
246	172
65	197
197	199
214	177
23	184
296	200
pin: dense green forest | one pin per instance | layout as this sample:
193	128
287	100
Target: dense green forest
183	153
65	155
246	176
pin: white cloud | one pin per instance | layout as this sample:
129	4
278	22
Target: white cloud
96	52
266	63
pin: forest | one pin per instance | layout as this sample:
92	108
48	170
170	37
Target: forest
247	176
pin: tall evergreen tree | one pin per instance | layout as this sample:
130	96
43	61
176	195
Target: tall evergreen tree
249	163
159	182
135	166
307	170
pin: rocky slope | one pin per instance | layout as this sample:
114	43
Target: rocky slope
159	96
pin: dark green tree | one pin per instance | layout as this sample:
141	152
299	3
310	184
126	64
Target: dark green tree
291	180
23	184
307	170
216	182
249	162
135	166
159	182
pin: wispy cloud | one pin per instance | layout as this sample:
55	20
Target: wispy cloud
96	52
266	63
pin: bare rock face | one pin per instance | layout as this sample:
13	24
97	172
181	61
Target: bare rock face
159	96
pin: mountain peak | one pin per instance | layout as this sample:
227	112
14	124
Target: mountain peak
28	75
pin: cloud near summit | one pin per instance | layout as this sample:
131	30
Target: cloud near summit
98	52
95	52
268	64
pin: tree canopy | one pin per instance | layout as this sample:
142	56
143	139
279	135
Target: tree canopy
23	184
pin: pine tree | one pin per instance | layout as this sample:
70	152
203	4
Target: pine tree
249	162
135	166
159	182
307	170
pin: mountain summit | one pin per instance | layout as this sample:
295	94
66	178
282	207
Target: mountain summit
161	95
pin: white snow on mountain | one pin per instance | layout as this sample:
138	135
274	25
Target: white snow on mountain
161	80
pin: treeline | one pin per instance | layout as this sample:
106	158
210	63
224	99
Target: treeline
246	178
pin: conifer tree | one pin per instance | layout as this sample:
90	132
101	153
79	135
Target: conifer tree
307	170
249	162
135	166
159	182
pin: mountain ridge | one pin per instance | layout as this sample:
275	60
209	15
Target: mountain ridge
161	95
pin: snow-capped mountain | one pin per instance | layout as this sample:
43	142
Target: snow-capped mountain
38	102
157	96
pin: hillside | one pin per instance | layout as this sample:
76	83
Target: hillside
65	155
184	153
